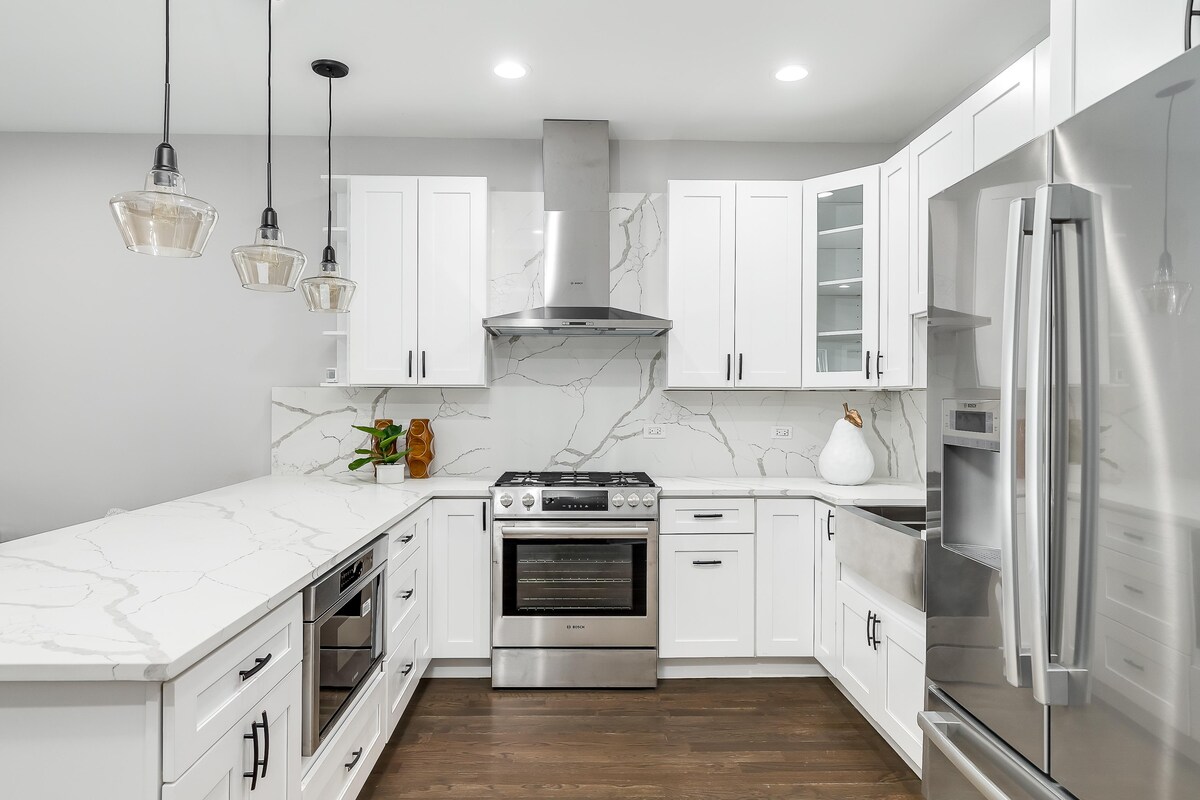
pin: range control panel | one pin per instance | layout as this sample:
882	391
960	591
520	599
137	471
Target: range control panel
628	502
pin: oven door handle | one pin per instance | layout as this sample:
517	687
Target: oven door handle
555	531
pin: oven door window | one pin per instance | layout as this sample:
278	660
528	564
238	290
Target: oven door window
348	649
574	577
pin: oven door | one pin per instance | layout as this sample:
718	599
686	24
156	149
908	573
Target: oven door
574	583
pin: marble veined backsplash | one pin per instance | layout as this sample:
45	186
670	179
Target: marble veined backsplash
581	403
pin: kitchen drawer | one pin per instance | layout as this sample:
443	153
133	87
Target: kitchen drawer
1146	597
209	698
1144	537
403	668
220	772
409	534
343	762
406	588
1150	674
707	515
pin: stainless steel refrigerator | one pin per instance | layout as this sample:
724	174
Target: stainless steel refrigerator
1064	460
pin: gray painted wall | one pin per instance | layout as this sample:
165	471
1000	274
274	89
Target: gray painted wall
130	380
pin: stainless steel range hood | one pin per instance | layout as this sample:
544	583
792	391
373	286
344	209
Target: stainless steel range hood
575	177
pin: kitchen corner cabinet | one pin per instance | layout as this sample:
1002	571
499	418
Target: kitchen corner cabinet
734	266
841	279
825	609
784	553
460	560
418	251
706	596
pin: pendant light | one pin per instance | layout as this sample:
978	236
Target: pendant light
162	220
268	265
1167	295
328	290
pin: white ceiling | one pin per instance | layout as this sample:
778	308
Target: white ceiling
658	69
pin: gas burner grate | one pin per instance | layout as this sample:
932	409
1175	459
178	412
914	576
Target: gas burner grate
596	479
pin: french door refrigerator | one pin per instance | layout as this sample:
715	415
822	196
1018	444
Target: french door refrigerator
1064	460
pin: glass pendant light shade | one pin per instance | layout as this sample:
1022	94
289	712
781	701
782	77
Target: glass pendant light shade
268	265
1167	296
328	291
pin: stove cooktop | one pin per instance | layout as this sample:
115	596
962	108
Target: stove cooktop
564	479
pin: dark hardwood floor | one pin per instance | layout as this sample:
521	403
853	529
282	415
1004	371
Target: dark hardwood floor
743	739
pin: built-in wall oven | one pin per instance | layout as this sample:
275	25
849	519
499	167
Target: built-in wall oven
343	638
575	580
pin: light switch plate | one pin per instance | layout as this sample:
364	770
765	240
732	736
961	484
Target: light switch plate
781	432
654	432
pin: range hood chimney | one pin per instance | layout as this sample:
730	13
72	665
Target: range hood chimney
575	177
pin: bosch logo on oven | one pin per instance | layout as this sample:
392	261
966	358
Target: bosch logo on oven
576	627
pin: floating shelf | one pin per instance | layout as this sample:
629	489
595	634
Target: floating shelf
849	287
847	238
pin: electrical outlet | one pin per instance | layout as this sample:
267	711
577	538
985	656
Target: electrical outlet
781	432
654	432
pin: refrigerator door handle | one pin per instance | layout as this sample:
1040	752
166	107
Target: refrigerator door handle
1020	225
939	728
1055	204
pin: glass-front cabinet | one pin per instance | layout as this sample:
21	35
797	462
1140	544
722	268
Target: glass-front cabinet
841	279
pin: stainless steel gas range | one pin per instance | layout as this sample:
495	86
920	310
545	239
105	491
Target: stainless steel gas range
575	580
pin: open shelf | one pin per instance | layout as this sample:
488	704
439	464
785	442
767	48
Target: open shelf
849	287
847	238
840	336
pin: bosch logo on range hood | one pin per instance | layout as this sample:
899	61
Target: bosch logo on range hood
575	177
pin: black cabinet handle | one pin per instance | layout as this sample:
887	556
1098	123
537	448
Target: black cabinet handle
266	744
357	755
406	539
715	563
407	669
868	365
259	663
878	365
739	366
717	515
410	363
422	363
483	517
406	595
829	524
870	639
257	762
875	633
728	366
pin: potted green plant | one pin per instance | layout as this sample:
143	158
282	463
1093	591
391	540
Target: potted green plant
384	453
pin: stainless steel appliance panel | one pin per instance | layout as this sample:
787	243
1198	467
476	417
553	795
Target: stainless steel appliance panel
980	254
571	668
1118	503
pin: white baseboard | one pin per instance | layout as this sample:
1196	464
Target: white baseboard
740	668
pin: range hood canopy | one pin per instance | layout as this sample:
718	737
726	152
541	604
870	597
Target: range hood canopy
576	180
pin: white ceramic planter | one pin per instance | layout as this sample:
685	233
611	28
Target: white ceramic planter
390	473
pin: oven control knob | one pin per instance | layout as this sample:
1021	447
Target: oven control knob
633	500
647	499
618	500
506	500
527	501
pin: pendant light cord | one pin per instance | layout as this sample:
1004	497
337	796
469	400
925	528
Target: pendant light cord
270	45
329	172
1167	170
167	79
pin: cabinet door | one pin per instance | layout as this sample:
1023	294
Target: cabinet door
451	281
857	655
901	681
219	774
841	279
1001	116
706	596
937	160
460	580
1113	47
769	285
382	329
893	361
825	609
700	275
783	550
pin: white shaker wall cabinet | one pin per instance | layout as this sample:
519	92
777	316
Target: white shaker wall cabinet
706	596
460	558
783	550
768	285
825	611
841	279
701	272
894	360
1002	115
418	251
937	160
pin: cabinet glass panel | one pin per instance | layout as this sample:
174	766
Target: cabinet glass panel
840	280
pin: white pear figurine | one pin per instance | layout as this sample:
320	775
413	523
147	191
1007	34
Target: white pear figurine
846	459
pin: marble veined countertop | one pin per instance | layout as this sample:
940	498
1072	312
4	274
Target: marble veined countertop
146	594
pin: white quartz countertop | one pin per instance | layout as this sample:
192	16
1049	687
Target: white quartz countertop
144	595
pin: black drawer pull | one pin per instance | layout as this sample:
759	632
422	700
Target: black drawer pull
406	594
266	744
870	618
875	633
717	515
258	762
707	563
259	663
406	539
829	524
407	669
357	755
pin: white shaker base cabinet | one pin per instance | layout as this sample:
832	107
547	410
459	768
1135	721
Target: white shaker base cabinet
460	560
825	609
270	732
706	596
783	550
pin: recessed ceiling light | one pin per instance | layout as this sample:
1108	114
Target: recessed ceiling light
511	69
823	195
792	72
